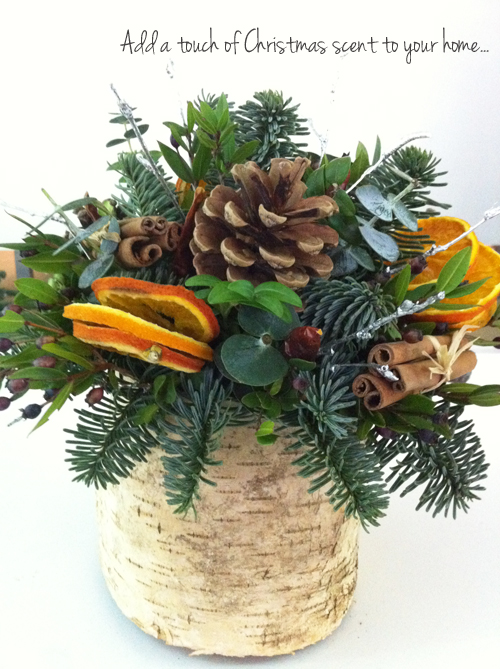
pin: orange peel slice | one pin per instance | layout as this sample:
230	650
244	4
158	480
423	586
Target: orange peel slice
487	264
173	307
129	344
98	314
441	230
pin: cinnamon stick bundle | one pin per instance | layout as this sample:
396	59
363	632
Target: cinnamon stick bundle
149	226
169	240
138	251
376	391
416	376
401	351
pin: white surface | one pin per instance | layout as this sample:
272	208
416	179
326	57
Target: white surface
428	592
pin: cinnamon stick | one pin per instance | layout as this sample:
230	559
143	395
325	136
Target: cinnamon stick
169	240
416	377
138	251
145	225
381	394
401	351
362	385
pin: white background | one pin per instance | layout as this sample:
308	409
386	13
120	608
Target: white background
429	589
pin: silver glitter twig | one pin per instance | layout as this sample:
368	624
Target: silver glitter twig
406	308
383	370
490	213
126	111
383	158
323	139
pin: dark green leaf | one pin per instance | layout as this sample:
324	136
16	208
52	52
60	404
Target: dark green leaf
11	322
337	170
202	280
178	132
242	289
190	117
76	346
316	182
303	365
36	289
61	352
145	415
251	400
401	284
274	306
377	152
345	204
245	151
278	291
439	306
251	362
206	140
115	142
130	134
220	293
422	291
361	164
38	373
56	404
28	354
201	162
50	264
454	271
417	404
362	257
466	289
177	163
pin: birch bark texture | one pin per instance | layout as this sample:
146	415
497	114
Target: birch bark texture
265	568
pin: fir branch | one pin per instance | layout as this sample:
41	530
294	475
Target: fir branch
273	122
145	196
332	454
419	166
450	468
342	308
191	435
108	443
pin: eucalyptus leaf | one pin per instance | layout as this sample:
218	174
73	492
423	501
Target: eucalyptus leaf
109	246
373	200
384	245
95	270
405	216
258	322
252	362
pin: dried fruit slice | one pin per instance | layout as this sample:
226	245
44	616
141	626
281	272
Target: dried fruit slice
173	307
129	344
128	323
442	229
484	298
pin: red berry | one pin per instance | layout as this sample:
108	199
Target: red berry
300	384
387	433
5	344
15	386
413	336
94	396
417	265
303	343
31	411
4	403
12	307
45	361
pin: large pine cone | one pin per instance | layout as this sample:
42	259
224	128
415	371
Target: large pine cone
266	230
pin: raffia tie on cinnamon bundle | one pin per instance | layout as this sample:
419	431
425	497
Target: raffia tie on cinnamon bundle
144	240
419	368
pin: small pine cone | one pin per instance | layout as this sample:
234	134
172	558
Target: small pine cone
266	230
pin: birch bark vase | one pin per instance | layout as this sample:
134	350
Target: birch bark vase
264	569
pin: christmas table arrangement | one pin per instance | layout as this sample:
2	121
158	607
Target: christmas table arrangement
270	342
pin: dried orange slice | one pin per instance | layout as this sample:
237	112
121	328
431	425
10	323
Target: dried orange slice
484	299
97	314
129	344
173	307
441	230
